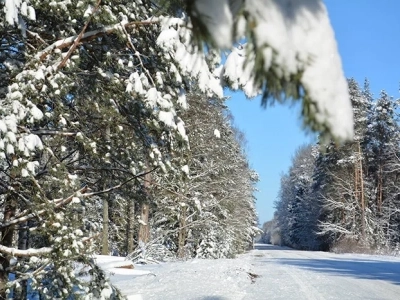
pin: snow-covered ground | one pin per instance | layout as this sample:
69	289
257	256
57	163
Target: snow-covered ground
269	272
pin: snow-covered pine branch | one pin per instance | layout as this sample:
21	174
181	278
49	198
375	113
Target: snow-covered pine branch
290	50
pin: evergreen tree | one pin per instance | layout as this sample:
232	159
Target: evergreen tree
383	146
209	212
346	199
297	212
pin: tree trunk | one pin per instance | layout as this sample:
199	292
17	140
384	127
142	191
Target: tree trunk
362	195
22	245
356	190
7	234
359	187
182	233
129	225
23	236
380	189
144	227
104	241
144	232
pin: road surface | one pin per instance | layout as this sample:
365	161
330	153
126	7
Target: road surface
292	274
268	272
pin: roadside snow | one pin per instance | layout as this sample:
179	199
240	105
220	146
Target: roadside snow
109	263
197	279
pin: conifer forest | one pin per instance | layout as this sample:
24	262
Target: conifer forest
345	197
116	139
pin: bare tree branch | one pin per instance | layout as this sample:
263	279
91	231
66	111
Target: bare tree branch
78	39
25	253
61	44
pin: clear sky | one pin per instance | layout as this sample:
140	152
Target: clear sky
368	36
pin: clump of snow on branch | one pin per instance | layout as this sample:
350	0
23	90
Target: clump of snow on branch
14	8
15	109
238	71
185	169
187	60
219	20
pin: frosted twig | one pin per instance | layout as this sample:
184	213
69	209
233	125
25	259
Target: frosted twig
46	132
118	185
25	253
53	132
36	35
25	215
76	42
137	54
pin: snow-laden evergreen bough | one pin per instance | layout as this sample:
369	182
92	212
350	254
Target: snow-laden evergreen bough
290	51
78	74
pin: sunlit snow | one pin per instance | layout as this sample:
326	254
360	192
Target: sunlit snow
269	272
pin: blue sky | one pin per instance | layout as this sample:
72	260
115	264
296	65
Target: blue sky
368	35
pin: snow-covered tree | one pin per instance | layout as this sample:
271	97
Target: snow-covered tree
354	186
210	211
297	211
382	151
345	196
271	232
84	111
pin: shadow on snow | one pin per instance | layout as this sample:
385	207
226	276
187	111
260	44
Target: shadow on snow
357	268
270	247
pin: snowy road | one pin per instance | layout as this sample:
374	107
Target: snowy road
269	272
291	274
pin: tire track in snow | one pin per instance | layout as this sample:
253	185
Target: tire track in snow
279	281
